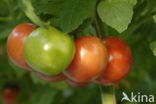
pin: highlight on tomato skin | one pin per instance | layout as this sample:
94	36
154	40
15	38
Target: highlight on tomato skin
55	78
15	44
119	62
9	95
76	84
89	61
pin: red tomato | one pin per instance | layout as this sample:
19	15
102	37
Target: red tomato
54	78
9	95
15	44
119	62
76	84
89	61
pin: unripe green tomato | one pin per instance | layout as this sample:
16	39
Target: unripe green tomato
49	51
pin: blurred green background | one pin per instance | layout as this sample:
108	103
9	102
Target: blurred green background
140	36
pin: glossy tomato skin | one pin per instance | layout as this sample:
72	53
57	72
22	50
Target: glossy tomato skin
119	62
9	95
76	84
15	44
89	61
54	78
48	50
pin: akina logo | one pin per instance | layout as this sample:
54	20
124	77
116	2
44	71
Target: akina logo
137	97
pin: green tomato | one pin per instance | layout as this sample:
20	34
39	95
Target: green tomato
49	51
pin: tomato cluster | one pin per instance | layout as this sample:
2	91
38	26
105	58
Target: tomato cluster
55	56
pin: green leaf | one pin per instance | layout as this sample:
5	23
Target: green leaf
74	12
52	7
116	13
153	47
28	9
68	15
154	17
133	2
83	26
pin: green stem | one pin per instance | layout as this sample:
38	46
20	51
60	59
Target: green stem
97	25
29	11
108	95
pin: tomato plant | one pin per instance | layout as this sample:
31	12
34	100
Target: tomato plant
116	24
89	61
15	44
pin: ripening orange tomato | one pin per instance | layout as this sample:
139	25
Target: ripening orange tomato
89	61
15	44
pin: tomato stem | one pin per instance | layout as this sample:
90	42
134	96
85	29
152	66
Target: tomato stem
29	11
108	94
97	25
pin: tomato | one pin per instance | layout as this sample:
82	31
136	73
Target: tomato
90	59
48	50
54	78
15	44
119	62
9	95
76	84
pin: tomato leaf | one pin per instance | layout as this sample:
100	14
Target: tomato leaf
74	12
52	7
116	13
68	15
133	2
